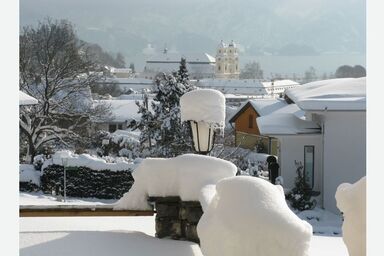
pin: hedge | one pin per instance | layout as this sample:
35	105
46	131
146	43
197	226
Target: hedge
85	182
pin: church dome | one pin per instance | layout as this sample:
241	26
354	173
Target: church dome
232	44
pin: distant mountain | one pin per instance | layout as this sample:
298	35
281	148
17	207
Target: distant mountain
280	27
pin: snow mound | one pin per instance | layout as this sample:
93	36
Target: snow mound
249	216
203	105
182	176
86	160
351	201
27	173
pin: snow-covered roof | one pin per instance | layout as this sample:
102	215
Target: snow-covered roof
176	57
234	86
333	94
25	99
276	83
268	106
284	124
122	110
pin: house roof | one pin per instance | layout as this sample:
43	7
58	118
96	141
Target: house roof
176	57
265	107
285	124
122	110
333	94
25	99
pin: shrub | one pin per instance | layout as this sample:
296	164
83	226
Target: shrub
300	196
85	182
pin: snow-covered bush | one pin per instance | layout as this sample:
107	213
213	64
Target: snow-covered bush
38	161
182	176
301	194
29	178
351	200
249	216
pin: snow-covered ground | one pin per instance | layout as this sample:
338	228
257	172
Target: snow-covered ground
126	236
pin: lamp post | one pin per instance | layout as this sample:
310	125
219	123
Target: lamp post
203	136
204	110
65	164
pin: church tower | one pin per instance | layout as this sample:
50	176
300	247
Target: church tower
227	61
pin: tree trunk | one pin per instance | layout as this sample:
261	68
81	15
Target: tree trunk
31	151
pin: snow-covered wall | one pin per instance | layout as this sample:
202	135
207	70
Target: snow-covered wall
351	200
344	151
249	216
182	176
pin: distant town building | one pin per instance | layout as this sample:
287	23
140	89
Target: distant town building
249	87
227	61
121	72
199	65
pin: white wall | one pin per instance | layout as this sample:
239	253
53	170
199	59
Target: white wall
291	149
344	151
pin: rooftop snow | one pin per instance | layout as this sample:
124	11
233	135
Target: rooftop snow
268	106
176	57
285	123
333	94
25	99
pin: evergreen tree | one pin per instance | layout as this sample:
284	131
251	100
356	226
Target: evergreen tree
163	124
300	195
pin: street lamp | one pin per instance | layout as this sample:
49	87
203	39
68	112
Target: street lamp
65	164
203	136
204	110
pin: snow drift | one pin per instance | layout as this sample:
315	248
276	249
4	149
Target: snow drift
249	216
182	176
351	201
203	105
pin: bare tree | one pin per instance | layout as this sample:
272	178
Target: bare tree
252	70
57	69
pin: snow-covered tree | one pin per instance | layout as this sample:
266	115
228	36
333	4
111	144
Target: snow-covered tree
300	196
163	124
56	69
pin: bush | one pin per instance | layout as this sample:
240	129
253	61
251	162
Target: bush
300	196
84	182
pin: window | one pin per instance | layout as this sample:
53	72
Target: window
120	127
219	68
112	128
309	164
250	121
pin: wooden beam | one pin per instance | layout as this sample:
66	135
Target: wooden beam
80	212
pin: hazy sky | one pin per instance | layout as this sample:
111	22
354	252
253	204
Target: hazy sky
261	28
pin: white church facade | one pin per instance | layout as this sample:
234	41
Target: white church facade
227	61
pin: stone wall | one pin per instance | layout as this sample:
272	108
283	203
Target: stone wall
177	219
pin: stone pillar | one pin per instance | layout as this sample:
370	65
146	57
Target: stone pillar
177	219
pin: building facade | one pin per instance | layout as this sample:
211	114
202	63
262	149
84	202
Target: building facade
227	61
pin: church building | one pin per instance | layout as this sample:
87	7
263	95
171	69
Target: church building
227	61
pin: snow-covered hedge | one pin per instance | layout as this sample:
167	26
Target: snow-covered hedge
85	182
87	176
85	160
249	216
351	200
182	176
